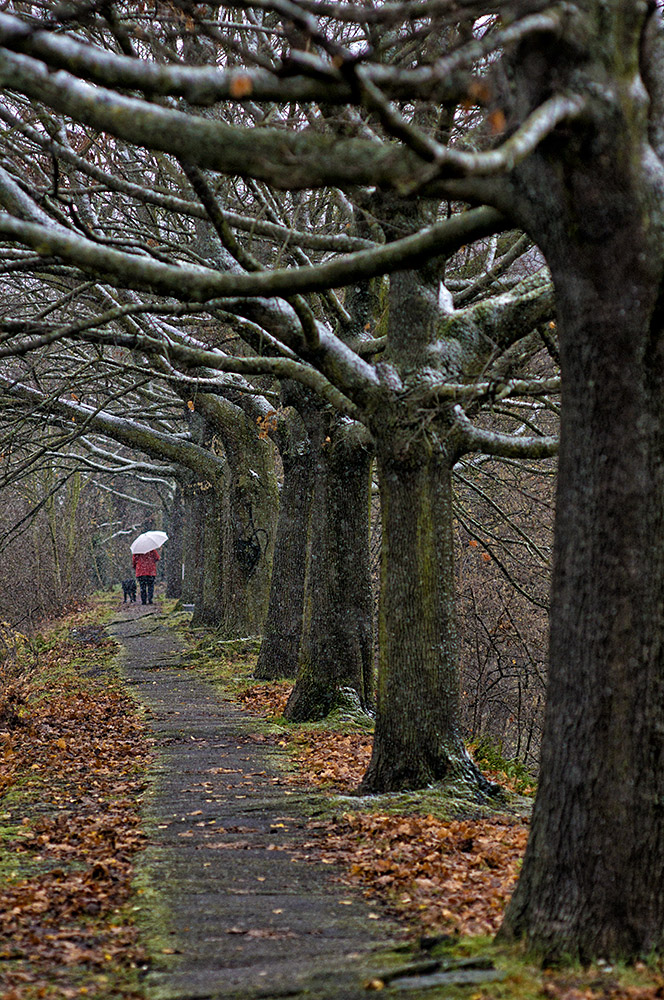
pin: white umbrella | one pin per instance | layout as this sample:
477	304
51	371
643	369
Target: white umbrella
148	541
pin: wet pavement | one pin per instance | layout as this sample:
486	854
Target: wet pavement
231	907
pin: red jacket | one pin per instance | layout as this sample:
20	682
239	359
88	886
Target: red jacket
145	563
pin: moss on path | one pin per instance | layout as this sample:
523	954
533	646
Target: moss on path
229	906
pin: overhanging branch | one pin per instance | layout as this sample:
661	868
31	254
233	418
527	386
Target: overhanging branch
474	438
201	284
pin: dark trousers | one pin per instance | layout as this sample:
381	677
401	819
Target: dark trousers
147	588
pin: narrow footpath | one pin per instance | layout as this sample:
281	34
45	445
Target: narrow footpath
238	911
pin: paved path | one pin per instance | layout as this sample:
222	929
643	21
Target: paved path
245	917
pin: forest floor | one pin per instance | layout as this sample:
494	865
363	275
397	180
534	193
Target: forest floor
165	835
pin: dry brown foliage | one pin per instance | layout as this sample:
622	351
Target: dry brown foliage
442	876
76	752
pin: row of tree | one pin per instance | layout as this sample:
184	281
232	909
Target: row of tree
253	217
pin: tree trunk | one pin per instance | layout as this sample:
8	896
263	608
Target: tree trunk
592	882
203	535
194	519
417	739
248	522
279	650
207	538
174	551
335	659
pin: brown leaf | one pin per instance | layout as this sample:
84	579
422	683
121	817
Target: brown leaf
241	86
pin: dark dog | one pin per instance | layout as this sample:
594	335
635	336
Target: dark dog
128	590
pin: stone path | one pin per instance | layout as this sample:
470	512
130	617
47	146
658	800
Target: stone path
244	916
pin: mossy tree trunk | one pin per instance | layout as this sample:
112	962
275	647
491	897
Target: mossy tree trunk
335	650
417	739
204	553
194	519
336	646
279	650
238	508
592	883
248	524
208	510
175	539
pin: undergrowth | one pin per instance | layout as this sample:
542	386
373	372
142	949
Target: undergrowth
73	765
510	772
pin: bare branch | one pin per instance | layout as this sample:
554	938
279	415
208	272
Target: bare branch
506	445
201	284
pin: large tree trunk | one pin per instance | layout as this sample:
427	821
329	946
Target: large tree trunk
194	520
208	511
231	527
335	657
592	883
279	650
593	877
418	739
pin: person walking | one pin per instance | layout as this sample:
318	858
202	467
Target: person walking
145	568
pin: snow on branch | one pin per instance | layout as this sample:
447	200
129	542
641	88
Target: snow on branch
506	445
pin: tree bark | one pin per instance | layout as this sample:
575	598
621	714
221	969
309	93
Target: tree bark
174	552
592	882
194	519
279	650
417	739
208	552
336	647
248	523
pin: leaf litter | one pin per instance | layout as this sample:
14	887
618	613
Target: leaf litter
438	875
79	748
72	759
446	879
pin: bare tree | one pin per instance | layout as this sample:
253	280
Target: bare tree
570	149
404	390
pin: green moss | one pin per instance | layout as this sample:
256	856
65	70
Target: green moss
443	800
228	664
520	978
148	911
488	755
16	866
45	676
